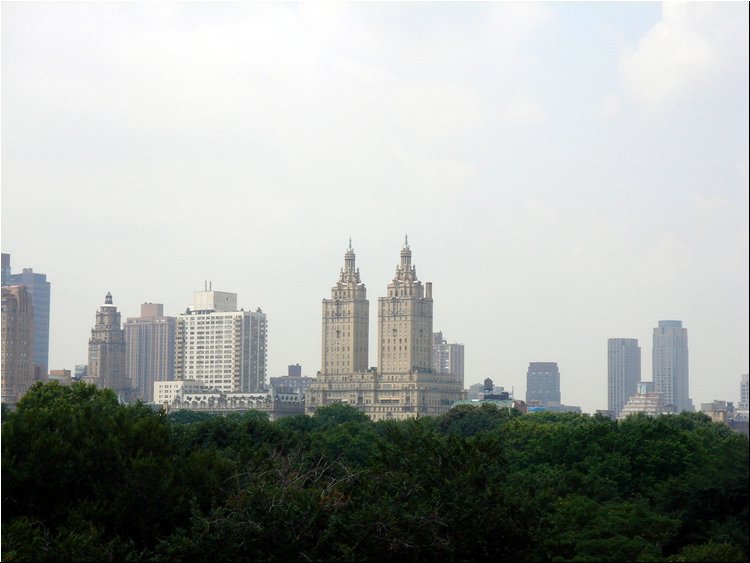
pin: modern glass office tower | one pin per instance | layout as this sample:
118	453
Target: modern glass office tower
623	372
670	364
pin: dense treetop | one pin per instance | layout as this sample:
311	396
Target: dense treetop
85	478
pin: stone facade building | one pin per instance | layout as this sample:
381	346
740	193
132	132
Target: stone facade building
404	385
17	343
106	366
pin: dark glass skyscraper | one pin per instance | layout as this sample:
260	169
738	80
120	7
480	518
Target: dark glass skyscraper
39	288
543	383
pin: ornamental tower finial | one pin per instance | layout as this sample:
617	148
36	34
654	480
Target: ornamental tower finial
350	272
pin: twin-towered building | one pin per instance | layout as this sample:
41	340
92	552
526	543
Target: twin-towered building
404	385
216	349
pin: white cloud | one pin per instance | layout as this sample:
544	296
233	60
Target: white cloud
692	44
610	106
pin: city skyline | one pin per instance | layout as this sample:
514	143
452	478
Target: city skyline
566	173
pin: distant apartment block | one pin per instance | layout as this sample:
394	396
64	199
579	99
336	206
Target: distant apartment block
292	383
719	411
192	395
744	392
650	403
447	358
164	392
17	343
543	383
220	346
62	376
623	372
81	371
5	268
670	364
106	366
149	349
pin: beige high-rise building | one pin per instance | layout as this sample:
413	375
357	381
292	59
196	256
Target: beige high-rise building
150	349
17	343
404	385
405	321
107	351
346	319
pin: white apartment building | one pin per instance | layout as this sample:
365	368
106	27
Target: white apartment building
447	357
221	347
166	391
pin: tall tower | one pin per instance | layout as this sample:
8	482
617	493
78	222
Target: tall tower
107	351
17	342
670	364
219	346
149	345
543	383
405	321
346	318
39	288
623	372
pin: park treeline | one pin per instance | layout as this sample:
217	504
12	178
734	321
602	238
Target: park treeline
85	478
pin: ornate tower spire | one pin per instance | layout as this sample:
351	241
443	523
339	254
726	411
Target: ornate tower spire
108	299
350	273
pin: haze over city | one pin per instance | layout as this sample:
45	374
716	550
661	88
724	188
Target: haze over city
566	172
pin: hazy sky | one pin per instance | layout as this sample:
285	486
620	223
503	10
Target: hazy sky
566	172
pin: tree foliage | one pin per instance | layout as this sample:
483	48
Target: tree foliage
86	478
